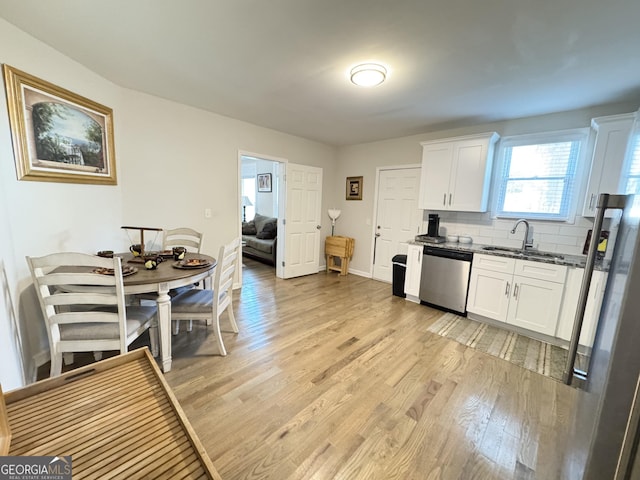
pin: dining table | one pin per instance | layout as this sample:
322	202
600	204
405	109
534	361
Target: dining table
169	274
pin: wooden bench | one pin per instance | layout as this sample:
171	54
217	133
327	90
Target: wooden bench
117	418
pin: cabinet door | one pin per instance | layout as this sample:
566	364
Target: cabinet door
414	270
434	179
592	309
489	293
608	158
535	304
470	177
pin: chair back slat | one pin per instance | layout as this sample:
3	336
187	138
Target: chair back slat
79	298
84	317
78	278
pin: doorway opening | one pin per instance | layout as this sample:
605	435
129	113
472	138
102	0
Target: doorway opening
261	204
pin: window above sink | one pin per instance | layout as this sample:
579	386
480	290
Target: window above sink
538	175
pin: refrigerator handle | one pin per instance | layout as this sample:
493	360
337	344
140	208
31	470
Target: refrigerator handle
569	368
605	202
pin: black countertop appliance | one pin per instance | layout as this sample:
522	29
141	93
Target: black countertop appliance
434	225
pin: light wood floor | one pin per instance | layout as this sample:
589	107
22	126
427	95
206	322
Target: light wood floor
334	378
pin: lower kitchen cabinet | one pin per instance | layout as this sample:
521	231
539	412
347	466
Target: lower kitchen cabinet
414	270
592	309
535	304
489	293
518	292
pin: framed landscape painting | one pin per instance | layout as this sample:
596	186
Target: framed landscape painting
58	136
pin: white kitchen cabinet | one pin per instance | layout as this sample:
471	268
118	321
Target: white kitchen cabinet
490	286
535	304
489	293
592	309
612	136
518	292
456	173
414	270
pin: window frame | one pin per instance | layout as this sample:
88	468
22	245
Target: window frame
633	152
580	135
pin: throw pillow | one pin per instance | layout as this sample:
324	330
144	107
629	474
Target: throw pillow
268	231
261	220
249	228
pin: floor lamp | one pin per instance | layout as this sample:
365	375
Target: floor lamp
333	215
245	203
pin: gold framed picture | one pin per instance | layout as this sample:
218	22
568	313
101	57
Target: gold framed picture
58	136
354	188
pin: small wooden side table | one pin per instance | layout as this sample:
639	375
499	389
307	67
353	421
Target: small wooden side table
339	247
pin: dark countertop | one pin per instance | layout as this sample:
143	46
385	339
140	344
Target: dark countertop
577	261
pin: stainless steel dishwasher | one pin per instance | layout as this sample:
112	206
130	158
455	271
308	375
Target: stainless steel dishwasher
444	280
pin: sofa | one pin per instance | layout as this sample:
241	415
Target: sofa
260	238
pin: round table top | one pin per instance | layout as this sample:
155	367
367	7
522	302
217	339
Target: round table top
166	270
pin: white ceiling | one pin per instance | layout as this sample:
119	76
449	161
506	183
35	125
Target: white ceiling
283	64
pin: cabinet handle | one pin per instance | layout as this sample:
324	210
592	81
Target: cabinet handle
515	291
444	199
419	255
593	196
507	289
450	199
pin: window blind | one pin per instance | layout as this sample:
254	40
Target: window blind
633	174
538	180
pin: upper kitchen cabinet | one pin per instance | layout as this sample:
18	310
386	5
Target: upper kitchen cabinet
456	173
612	137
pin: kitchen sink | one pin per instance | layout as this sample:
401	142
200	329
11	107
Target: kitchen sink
524	254
502	249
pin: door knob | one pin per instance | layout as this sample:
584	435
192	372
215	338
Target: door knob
318	227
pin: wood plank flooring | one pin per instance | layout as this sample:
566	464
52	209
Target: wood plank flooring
334	378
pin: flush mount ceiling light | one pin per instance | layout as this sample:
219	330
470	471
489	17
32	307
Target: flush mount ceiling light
368	74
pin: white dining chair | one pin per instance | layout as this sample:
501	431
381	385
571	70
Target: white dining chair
209	304
183	237
175	237
83	303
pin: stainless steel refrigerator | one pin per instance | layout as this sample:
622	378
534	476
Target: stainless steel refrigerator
605	427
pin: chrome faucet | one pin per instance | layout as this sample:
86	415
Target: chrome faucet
528	234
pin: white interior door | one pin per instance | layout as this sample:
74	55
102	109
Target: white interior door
302	220
398	218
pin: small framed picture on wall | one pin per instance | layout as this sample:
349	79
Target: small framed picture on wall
354	188
264	182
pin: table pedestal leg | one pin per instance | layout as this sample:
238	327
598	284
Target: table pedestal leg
164	327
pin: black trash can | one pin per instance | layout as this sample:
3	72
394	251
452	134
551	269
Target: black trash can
399	271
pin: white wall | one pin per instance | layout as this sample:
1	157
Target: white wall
173	161
179	161
43	217
357	216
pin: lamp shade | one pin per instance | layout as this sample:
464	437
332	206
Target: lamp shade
334	213
246	202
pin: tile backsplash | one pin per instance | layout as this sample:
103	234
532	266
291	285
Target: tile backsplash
547	236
